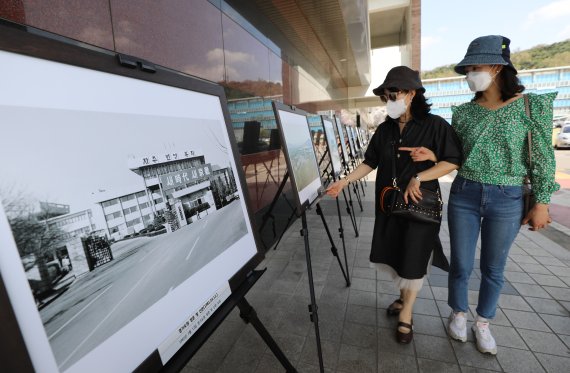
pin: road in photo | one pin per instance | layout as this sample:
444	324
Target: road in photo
147	268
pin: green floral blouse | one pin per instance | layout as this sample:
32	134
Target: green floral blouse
495	149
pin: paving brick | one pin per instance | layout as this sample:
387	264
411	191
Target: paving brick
467	355
548	306
518	361
436	348
389	362
429	366
559	324
357	359
531	290
513	302
548	280
361	315
519	277
558	293
359	335
507	336
526	320
554	364
544	342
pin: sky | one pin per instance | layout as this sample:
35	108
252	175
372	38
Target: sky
69	156
448	26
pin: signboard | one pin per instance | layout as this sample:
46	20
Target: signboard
183	177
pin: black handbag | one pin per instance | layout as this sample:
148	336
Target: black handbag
427	210
528	193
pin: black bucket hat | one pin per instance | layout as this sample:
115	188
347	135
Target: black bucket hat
400	77
487	50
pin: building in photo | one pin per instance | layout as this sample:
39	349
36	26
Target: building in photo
178	187
72	228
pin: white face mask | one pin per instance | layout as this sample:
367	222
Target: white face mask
479	81
396	108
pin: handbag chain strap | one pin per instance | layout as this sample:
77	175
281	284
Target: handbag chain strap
529	136
394	177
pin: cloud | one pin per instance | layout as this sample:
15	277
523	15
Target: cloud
556	9
428	41
565	33
217	55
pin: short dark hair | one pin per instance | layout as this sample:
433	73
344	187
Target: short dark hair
509	83
420	107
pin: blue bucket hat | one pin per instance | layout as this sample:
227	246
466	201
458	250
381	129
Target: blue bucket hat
487	50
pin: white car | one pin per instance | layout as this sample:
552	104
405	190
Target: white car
563	138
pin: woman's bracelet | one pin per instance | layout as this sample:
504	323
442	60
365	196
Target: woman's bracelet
348	180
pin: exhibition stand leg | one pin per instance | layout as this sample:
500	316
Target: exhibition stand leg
356	163
350	210
268	215
355	186
357	194
247	313
326	174
334	250
348	201
313	309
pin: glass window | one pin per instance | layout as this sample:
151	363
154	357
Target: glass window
185	35
247	62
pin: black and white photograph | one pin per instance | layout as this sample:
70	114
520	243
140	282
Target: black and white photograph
332	145
112	211
301	153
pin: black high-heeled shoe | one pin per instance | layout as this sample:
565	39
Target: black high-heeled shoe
402	337
395	311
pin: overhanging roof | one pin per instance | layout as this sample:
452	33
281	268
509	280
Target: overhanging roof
331	40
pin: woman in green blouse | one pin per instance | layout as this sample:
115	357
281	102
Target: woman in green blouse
486	195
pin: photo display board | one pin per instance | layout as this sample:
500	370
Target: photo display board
350	140
345	154
332	146
300	154
123	221
355	138
361	138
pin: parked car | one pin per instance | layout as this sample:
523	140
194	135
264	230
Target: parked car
563	138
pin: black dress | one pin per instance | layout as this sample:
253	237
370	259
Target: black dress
405	245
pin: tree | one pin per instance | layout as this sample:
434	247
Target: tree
32	236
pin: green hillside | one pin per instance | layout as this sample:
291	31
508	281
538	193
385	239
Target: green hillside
541	56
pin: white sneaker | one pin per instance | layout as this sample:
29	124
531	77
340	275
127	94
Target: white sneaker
457	326
485	341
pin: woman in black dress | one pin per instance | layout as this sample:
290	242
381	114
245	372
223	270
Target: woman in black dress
402	247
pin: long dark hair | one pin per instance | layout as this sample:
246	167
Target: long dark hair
420	107
509	84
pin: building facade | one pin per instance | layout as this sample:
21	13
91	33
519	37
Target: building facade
178	182
72	227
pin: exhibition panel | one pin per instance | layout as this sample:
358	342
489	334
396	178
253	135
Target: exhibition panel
124	219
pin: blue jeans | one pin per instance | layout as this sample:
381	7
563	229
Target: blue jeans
494	210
